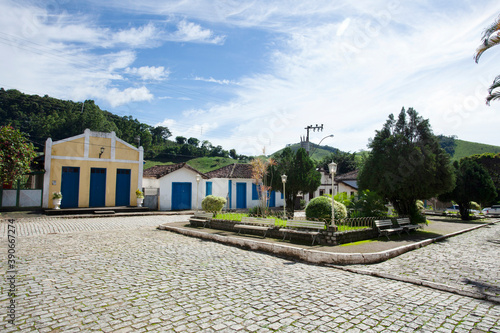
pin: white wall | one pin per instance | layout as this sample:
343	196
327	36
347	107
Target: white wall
182	175
220	188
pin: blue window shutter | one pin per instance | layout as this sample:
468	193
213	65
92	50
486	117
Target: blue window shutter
208	189
255	194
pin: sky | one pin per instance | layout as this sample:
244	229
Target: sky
253	74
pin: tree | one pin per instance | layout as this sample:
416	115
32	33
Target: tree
160	134
448	143
193	142
232	154
473	183
491	37
180	140
16	155
491	162
301	172
406	163
346	162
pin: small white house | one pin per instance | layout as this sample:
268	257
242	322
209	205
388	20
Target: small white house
234	182
345	183
181	186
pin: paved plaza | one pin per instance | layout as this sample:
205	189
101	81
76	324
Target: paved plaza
120	274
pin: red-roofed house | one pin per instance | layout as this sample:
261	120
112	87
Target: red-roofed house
179	188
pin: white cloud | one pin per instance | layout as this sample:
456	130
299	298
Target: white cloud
118	97
191	32
149	72
180	129
212	80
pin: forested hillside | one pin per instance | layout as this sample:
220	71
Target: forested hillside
44	117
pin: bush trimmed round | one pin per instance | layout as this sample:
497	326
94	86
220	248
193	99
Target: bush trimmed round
213	204
320	208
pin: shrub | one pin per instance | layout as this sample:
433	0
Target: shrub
320	208
213	204
474	205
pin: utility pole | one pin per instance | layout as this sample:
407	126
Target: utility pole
304	143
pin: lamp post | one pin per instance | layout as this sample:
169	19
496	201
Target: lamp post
333	168
198	178
328	136
283	179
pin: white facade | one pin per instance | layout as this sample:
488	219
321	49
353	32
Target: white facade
182	177
240	193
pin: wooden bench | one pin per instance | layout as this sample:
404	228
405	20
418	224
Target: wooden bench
202	217
385	227
255	223
406	225
312	228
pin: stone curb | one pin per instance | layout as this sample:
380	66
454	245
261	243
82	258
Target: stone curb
424	283
313	256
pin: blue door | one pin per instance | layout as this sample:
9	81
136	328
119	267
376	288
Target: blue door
97	187
181	196
241	195
70	186
122	196
272	199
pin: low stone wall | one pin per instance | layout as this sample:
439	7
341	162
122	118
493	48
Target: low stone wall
327	237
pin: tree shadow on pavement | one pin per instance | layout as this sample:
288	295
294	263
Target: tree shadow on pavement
483	287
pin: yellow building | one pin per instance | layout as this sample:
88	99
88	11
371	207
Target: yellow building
94	169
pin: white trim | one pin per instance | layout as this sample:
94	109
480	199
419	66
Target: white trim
68	139
141	167
47	175
86	145
113	146
127	144
92	159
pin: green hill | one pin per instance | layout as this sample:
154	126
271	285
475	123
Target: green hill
467	148
318	152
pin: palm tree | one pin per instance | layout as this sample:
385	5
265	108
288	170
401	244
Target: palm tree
491	37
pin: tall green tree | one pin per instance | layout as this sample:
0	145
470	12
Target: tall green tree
406	163
346	162
16	154
491	163
473	183
491	37
301	172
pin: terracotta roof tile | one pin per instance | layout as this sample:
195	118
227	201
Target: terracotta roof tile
159	171
234	170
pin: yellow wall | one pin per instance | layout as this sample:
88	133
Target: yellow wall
123	152
75	149
95	147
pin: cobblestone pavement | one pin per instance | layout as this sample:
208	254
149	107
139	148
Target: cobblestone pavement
55	225
142	279
468	262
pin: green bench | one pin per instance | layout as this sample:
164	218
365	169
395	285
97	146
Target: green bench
255	223
312	228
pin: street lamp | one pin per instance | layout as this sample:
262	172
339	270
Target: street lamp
283	179
198	178
333	168
328	136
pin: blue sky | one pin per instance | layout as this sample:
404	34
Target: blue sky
251	75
